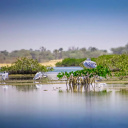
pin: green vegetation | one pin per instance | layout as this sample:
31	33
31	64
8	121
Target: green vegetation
85	76
60	91
70	62
118	64
25	66
120	50
43	55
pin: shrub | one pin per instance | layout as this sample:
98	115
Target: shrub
25	66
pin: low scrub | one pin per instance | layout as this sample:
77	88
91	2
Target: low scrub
25	66
118	64
70	62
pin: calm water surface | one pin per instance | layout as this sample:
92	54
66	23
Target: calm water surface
44	106
34	107
53	74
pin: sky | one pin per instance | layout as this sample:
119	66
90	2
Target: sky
53	24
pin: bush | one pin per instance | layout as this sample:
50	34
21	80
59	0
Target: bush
70	62
25	66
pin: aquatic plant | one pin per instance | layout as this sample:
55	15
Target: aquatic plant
85	76
60	91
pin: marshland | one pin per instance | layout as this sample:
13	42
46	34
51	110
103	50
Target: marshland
63	63
63	98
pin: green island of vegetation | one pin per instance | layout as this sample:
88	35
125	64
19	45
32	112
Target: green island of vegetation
25	65
113	67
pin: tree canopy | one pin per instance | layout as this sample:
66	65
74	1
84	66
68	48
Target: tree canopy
25	66
43	55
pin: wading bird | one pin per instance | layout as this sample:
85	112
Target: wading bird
3	75
89	64
39	75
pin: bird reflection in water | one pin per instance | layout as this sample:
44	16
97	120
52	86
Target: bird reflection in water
5	87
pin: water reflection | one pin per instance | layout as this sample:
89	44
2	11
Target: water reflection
123	91
25	88
85	88
21	77
38	86
5	87
51	109
67	88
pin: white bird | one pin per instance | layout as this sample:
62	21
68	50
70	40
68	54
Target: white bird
89	64
4	75
101	85
39	75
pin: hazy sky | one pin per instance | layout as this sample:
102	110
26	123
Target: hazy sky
26	24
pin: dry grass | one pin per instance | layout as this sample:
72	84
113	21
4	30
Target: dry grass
51	62
4	64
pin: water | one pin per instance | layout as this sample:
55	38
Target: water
53	74
67	69
46	107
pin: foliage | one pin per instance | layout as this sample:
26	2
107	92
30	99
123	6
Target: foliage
70	62
43	55
118	64
85	76
120	50
98	71
25	66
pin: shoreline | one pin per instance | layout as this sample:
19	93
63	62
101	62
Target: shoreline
32	82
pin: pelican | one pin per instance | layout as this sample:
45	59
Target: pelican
4	75
39	75
101	85
89	64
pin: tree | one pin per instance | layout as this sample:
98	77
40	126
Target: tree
42	49
119	50
5	52
56	53
92	49
60	50
83	50
25	66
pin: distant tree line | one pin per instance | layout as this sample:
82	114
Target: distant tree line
43	55
120	50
